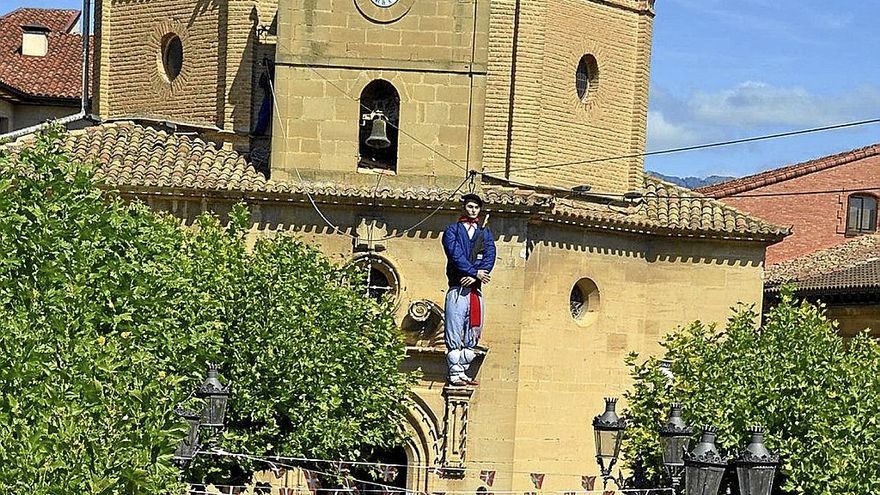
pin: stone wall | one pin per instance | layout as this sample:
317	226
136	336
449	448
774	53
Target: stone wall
434	56
551	124
215	86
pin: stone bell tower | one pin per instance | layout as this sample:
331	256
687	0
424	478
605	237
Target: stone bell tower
422	64
568	83
494	86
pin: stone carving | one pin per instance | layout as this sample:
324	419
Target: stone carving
423	324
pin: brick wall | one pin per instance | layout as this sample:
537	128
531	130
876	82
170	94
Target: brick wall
818	221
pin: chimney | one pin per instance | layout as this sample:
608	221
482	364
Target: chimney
34	40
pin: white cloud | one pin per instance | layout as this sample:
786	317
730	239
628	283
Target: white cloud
751	108
663	134
753	104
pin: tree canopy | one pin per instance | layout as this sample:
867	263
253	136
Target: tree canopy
817	395
110	312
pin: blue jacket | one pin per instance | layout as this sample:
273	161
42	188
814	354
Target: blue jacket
460	259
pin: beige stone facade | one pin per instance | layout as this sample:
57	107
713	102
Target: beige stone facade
488	86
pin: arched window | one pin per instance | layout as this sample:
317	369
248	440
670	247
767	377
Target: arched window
378	121
861	214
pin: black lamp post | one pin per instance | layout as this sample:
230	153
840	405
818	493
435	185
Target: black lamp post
675	436
704	467
608	428
756	466
215	397
189	445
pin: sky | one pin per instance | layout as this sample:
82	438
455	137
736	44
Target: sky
730	69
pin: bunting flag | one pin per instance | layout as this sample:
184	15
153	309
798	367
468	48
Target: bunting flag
588	482
389	473
537	480
487	476
286	490
312	481
608	492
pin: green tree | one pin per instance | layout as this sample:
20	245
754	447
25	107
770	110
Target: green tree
818	396
110	312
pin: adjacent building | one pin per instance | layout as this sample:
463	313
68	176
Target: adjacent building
832	253
357	125
41	60
826	201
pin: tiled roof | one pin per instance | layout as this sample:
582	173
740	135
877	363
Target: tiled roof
135	158
673	210
58	74
853	264
736	186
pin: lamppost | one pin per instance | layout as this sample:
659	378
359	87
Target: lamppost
756	466
608	428
675	436
215	397
704	466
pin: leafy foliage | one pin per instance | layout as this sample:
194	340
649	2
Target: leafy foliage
818	396
109	314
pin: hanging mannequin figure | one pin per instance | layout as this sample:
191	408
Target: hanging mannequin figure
470	257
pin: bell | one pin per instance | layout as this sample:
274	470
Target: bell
379	135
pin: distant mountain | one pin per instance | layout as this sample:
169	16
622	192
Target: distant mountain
692	182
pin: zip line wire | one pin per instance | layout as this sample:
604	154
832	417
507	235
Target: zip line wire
717	144
578	162
345	93
321	213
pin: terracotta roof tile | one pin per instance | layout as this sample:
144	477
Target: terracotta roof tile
736	186
853	264
135	158
58	74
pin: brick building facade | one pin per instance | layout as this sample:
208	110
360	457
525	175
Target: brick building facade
826	201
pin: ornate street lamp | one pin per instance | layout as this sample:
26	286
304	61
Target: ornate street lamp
675	436
189	445
704	467
608	428
215	396
756	466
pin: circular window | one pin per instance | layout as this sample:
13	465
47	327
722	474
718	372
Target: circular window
381	281
584	301
587	76
172	56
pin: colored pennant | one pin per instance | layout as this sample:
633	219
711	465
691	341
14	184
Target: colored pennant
312	481
538	480
588	482
487	476
389	473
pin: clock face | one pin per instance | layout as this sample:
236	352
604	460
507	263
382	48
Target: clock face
384	3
